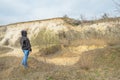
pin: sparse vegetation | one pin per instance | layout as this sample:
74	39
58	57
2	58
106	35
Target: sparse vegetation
2	32
105	16
79	45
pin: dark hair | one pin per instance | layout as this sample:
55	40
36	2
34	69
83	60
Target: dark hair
24	33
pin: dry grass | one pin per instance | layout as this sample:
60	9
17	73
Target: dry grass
4	50
98	64
86	62
101	64
50	50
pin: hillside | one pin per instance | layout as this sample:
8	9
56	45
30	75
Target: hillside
63	49
97	29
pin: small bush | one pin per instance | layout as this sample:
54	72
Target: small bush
50	50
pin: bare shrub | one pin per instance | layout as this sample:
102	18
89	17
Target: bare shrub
71	21
86	62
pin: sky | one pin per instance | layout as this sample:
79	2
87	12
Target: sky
12	11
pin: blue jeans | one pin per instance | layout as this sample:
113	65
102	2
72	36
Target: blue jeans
24	60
